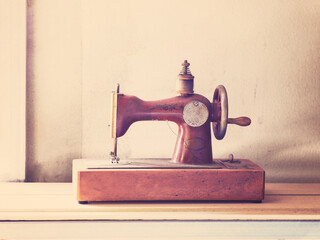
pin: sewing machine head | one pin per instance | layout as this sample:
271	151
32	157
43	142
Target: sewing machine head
192	112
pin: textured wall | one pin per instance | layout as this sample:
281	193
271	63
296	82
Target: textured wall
53	89
266	53
12	90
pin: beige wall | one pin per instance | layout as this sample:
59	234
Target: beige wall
12	90
266	53
53	89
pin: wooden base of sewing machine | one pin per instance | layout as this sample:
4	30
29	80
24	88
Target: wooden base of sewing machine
161	180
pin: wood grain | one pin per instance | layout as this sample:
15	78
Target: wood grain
57	201
131	184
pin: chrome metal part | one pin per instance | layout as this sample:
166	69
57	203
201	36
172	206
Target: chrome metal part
231	157
195	114
114	109
185	80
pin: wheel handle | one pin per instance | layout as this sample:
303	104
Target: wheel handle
220	118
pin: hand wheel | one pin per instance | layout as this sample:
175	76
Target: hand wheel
220	114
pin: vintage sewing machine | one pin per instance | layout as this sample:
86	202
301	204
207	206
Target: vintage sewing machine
191	173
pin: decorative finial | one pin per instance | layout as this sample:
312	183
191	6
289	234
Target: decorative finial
185	80
185	70
185	63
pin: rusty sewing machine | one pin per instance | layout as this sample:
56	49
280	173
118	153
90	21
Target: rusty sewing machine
191	173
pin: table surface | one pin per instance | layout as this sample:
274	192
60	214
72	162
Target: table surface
57	201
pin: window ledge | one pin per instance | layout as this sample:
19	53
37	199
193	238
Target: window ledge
57	201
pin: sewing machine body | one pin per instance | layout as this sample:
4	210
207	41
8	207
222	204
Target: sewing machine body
191	173
193	143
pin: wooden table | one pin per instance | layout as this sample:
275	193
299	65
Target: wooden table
288	211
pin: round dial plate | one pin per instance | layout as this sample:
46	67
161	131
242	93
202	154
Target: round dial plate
195	113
